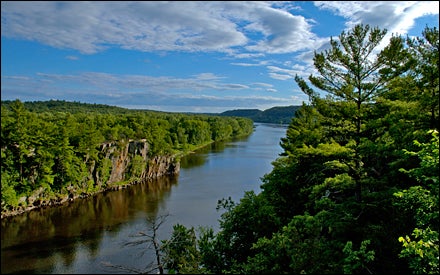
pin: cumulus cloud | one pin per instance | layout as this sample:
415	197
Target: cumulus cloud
90	27
246	30
398	17
258	28
269	27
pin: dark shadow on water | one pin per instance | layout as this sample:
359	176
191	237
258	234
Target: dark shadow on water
29	240
77	236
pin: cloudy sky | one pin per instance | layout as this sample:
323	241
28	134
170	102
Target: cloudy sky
196	56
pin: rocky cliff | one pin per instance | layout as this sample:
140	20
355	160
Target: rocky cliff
123	168
119	165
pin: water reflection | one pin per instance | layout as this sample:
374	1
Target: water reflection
77	238
199	157
29	239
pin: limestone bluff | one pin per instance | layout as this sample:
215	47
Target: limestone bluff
119	165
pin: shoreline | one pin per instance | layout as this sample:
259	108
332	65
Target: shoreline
55	202
69	199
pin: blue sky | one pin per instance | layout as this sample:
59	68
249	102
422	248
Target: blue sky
195	56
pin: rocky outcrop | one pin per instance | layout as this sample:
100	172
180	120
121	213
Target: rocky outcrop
122	156
119	165
161	166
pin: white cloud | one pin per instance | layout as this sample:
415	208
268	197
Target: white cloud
104	84
246	55
397	17
260	63
72	57
90	27
290	72
248	30
266	85
279	76
282	31
144	90
240	28
235	86
208	76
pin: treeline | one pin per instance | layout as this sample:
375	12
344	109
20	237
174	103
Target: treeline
277	115
72	107
49	147
356	189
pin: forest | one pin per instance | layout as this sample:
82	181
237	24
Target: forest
356	189
51	150
277	114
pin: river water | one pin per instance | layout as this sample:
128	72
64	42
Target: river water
100	234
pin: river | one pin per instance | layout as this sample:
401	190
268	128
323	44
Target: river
98	234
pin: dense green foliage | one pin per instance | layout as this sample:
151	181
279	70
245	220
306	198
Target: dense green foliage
70	107
50	147
278	115
357	187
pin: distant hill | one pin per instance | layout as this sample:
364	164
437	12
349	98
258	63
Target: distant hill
243	113
278	115
67	106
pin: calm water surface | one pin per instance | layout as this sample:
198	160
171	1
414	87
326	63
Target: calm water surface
87	234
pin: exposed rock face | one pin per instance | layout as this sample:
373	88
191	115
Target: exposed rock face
122	156
160	166
130	163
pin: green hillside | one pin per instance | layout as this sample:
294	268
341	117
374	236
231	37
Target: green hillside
279	115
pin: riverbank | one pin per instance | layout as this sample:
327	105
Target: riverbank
78	237
62	199
38	201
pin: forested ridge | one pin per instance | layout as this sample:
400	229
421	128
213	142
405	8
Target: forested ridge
277	114
55	150
356	189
